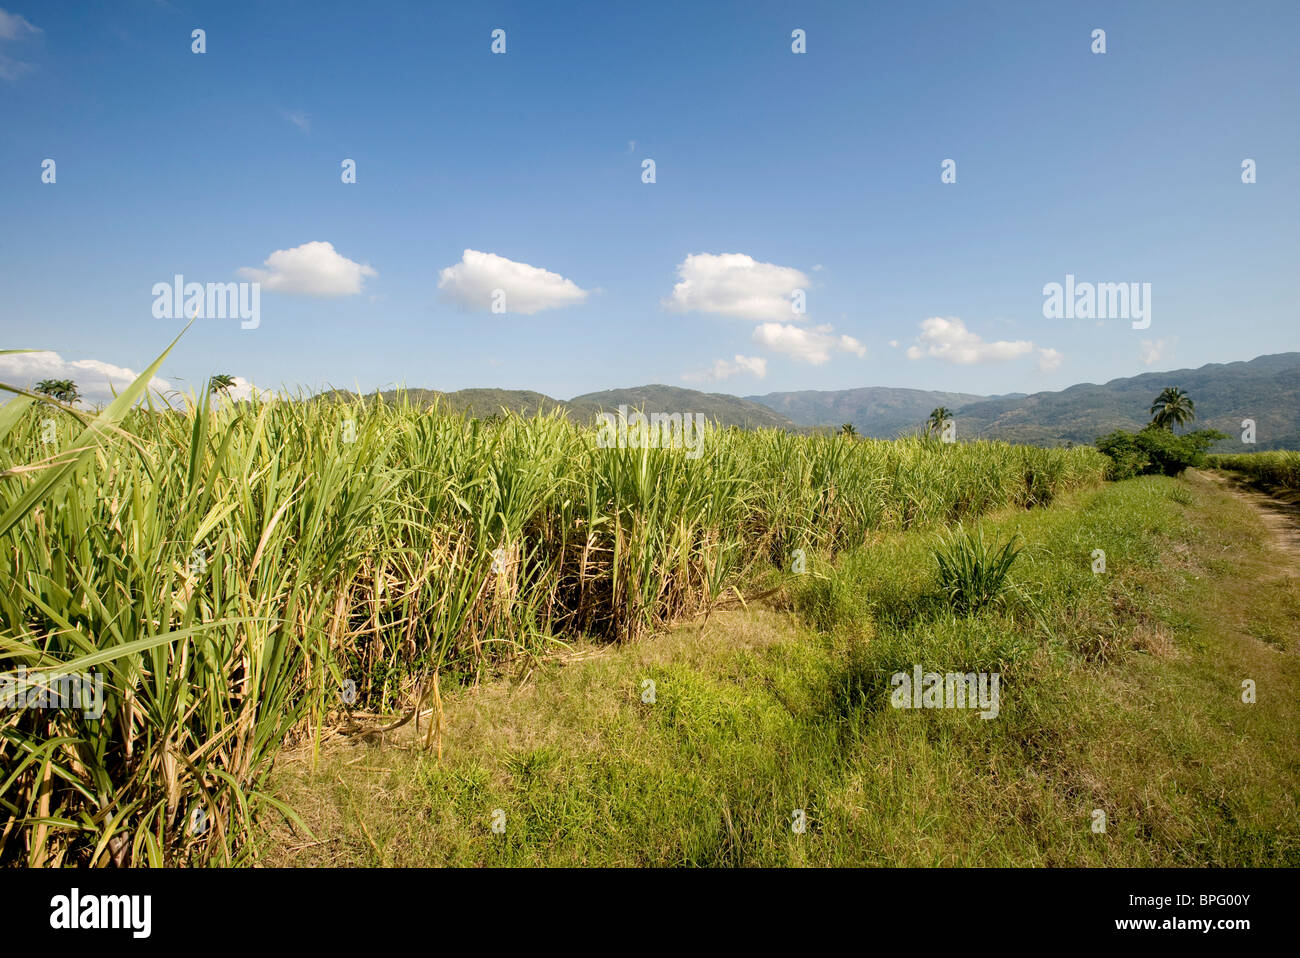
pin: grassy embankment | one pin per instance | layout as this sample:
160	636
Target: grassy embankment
1121	692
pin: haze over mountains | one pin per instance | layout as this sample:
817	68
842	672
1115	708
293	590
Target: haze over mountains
1265	389
879	411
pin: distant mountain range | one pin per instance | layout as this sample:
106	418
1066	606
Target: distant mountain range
879	411
1265	389
718	407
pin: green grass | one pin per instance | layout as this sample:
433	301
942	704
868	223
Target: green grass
1121	692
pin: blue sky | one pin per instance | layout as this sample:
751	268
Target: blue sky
822	168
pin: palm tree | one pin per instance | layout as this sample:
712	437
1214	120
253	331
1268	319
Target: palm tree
63	390
1172	408
221	383
848	431
938	418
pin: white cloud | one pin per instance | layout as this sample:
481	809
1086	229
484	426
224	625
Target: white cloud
299	119
1150	351
11	69
733	284
722	369
809	345
851	345
1049	359
14	27
894	343
312	269
96	380
950	341
528	289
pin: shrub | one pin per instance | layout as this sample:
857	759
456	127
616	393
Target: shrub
1126	455
1153	450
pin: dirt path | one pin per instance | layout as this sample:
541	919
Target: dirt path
1281	518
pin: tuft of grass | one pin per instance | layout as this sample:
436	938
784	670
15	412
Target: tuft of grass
972	574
